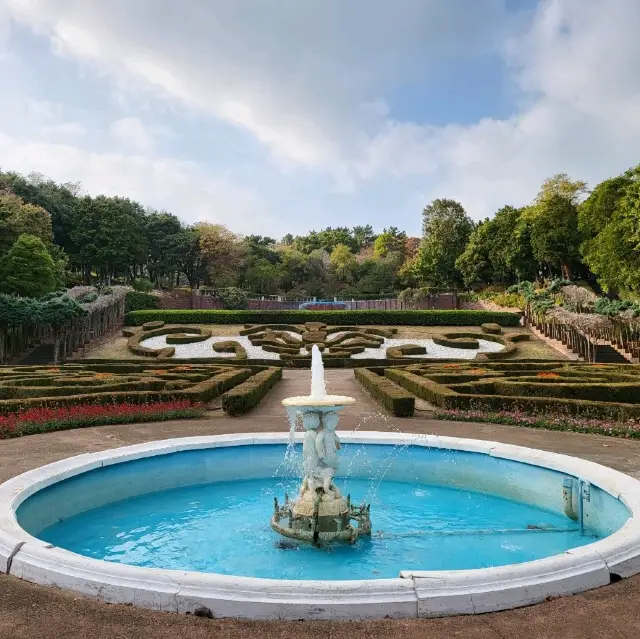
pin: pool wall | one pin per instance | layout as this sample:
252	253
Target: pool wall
472	464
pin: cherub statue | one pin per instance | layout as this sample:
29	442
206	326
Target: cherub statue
311	463
327	446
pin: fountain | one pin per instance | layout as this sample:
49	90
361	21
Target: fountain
319	513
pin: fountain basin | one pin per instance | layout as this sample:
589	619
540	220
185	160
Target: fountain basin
37	500
328	402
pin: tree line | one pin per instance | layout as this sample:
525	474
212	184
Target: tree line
54	235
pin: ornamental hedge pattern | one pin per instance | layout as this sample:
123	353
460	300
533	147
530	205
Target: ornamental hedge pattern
594	391
33	387
358	318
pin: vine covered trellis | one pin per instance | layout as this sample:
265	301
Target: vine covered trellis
67	319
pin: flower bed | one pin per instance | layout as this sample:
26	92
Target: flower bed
629	429
43	420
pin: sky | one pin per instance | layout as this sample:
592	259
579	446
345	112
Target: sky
277	116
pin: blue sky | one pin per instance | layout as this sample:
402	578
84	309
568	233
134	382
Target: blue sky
285	115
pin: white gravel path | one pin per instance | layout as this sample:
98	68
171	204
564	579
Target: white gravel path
205	349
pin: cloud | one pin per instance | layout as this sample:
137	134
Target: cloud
132	132
302	93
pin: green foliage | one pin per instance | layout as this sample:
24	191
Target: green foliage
491	329
88	298
233	298
28	269
142	285
360	318
388	394
134	301
246	396
447	229
558	388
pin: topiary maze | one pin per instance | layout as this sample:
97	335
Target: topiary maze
27	387
595	391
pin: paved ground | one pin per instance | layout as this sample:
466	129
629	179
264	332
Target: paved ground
31	612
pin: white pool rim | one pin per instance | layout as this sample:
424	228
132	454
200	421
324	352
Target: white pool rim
411	594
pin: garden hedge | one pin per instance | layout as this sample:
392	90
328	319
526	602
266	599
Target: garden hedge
389	395
231	346
135	301
246	396
358	318
554	388
150	386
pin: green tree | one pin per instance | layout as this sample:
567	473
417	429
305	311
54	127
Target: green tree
28	269
343	262
391	240
223	254
363	236
613	253
447	229
475	264
555	238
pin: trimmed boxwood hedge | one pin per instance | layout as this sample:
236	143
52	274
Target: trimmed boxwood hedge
389	395
246	396
359	318
442	387
223	379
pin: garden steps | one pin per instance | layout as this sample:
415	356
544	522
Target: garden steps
555	344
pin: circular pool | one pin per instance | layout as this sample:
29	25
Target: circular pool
459	526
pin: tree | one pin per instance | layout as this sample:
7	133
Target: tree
613	253
446	228
563	186
555	238
343	262
18	217
363	236
162	231
475	263
223	253
391	240
28	269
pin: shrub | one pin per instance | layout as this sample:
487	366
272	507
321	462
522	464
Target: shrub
246	396
457	342
394	398
183	338
150	326
359	318
493	329
135	301
233	298
231	346
398	352
142	285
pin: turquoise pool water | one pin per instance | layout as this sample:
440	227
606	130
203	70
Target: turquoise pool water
224	528
209	511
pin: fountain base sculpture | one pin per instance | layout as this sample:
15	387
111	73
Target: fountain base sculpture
320	513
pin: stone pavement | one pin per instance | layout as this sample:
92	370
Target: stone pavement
32	612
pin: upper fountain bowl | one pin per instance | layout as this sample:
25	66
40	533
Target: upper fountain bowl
319	403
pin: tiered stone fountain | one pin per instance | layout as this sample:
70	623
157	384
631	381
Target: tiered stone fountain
320	513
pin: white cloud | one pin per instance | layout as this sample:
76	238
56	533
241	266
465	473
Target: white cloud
311	83
132	132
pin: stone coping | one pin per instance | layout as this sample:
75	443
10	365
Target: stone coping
412	594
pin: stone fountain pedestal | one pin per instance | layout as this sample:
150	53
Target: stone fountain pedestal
320	513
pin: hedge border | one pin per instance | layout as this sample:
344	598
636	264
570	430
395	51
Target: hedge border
246	396
203	391
449	398
361	318
389	395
